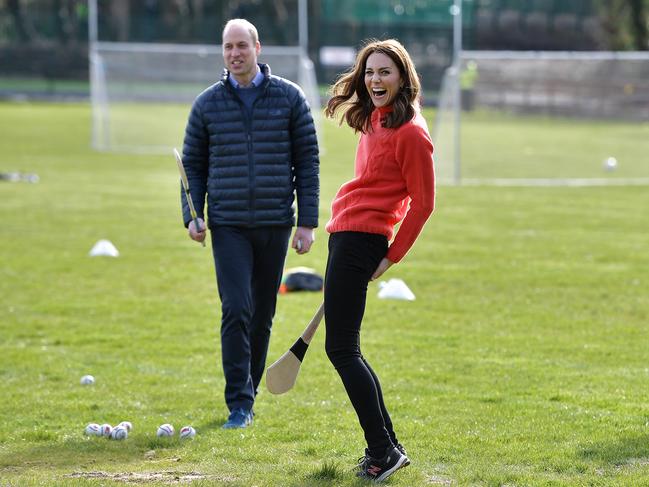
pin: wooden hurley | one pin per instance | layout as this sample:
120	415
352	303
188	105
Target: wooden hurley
281	376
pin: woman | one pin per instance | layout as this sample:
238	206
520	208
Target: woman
394	182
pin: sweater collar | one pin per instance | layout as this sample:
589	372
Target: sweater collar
384	110
381	112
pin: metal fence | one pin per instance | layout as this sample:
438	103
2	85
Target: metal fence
47	39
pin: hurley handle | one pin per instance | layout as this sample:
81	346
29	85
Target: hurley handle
312	327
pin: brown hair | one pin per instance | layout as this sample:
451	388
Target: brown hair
350	95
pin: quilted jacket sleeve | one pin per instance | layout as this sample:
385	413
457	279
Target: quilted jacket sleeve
306	164
195	159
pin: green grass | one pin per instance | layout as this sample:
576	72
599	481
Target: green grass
544	147
25	86
523	360
505	146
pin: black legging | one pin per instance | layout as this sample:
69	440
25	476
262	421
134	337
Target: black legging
353	258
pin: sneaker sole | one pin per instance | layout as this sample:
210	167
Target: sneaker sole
403	462
228	426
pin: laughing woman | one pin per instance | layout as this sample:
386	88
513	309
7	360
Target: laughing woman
394	182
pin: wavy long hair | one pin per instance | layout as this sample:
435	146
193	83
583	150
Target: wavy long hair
350	95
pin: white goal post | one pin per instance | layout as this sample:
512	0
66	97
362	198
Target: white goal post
141	93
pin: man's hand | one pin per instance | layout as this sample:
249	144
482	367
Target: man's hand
194	234
384	265
303	238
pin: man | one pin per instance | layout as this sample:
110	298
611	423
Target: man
250	147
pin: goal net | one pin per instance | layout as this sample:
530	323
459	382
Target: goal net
544	118
141	93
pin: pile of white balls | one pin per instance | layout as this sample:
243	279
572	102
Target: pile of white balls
119	432
122	430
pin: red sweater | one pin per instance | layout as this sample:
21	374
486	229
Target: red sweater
393	179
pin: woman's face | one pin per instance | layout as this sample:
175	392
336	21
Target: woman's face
382	79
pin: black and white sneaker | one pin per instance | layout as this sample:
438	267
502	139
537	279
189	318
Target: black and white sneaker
402	450
379	469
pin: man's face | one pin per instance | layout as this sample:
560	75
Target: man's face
240	53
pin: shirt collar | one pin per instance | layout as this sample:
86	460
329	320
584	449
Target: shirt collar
256	81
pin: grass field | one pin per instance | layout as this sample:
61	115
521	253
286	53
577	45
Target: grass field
501	147
524	360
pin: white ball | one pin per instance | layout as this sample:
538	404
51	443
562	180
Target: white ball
165	430
127	425
187	432
106	430
119	433
610	163
87	380
93	429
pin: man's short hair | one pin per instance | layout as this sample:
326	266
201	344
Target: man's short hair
252	30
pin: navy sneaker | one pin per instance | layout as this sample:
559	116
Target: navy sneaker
379	469
239	418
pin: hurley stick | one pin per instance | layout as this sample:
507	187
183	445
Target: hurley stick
185	184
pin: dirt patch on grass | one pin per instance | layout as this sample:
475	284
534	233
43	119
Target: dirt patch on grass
435	480
143	477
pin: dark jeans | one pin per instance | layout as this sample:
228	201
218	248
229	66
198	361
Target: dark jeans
353	258
249	264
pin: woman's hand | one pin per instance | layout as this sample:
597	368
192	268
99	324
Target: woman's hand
384	265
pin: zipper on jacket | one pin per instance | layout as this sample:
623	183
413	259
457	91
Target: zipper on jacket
248	117
251	176
251	160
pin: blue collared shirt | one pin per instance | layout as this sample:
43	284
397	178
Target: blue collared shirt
256	81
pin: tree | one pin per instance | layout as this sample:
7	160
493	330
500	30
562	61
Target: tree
15	8
639	21
625	23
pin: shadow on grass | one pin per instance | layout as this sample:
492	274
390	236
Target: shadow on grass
213	425
84	452
45	448
617	451
330	474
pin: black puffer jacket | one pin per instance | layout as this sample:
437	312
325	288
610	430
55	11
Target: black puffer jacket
251	168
